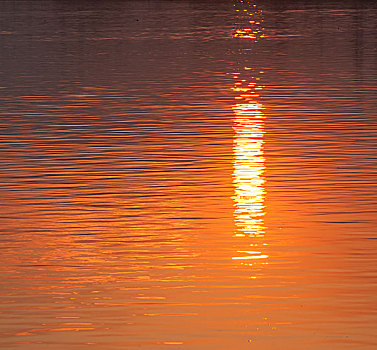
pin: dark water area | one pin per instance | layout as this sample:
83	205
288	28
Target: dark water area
188	174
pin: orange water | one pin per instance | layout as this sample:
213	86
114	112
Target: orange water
190	175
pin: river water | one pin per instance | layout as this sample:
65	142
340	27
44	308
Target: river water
188	174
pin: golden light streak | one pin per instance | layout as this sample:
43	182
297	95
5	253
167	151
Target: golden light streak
248	168
248	143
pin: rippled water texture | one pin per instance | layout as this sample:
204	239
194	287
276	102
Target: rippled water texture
188	174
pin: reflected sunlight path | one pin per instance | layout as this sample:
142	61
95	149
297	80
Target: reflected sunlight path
248	153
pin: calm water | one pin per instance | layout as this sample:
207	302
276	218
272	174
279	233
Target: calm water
188	174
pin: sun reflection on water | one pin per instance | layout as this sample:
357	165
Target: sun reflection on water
248	169
248	153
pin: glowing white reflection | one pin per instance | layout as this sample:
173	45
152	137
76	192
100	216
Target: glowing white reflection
248	168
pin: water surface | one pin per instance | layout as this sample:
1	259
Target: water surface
185	174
